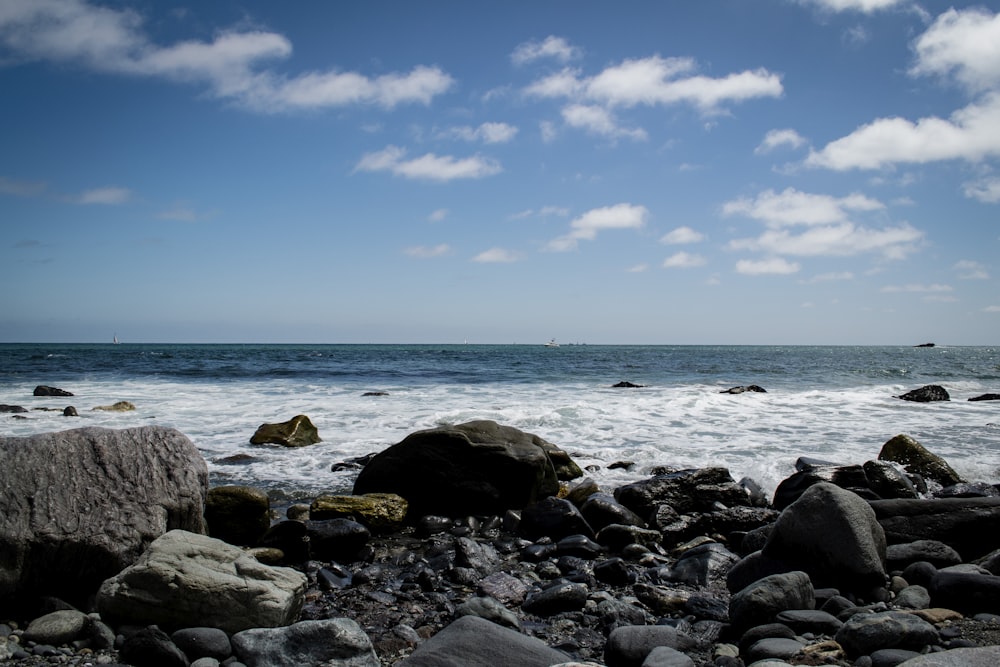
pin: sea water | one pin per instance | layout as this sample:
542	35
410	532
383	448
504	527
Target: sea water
833	403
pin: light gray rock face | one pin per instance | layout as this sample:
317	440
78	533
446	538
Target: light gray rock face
77	506
333	642
471	641
986	656
57	627
864	633
186	580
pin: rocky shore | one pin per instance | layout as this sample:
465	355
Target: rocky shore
479	544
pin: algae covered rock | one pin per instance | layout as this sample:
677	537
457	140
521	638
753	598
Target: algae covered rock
916	459
382	512
296	432
120	406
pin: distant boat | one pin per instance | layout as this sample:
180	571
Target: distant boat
115	341
552	343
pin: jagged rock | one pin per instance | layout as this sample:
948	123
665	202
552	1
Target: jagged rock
694	490
471	640
43	390
625	384
296	432
186	580
237	514
916	459
77	506
478	468
384	512
792	487
970	526
926	394
742	389
334	642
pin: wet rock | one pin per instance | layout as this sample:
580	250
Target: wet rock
773	648
471	640
694	490
938	554
967	593
601	509
13	409
490	609
555	518
968	490
625	384
986	397
556	599
630	645
704	565
888	482
791	488
336	539
815	621
664	656
926	394
383	512
203	643
916	459
70	411
334	641
866	633
970	526
296	432
753	388
912	597
237	514
763	600
44	390
151	646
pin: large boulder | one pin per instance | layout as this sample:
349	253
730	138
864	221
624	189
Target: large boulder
479	467
471	641
78	506
185	580
296	432
833	535
693	490
916	459
970	526
332	642
926	394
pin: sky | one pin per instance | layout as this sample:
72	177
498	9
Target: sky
717	172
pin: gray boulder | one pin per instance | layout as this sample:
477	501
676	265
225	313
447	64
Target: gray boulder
764	599
296	432
630	645
865	633
970	526
57	627
77	506
471	641
334	642
831	534
968	593
985	656
186	580
918	460
694	490
479	467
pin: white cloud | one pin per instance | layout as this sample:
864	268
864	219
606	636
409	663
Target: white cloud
438	215
971	270
915	288
428	167
497	256
986	190
110	195
20	188
488	133
864	6
424	252
587	226
683	260
638	268
553	47
113	41
991	309
772	266
830	277
179	214
598	120
843	239
964	43
565	83
780	138
794	207
681	236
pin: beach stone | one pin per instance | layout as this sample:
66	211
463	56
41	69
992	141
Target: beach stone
58	627
334	642
833	535
70	411
44	390
985	656
602	510
555	518
203	643
291	538
237	514
809	620
887	481
791	488
380	512
752	567
763	600
916	459
986	397
772	648
77	506
471	640
704	565
296	432
336	539
630	645
12	409
863	633
556	599
912	597
490	609
617	536
968	490
664	656
120	406
970	526
185	579
753	388
938	554
693	490
479	556
967	593
927	394
504	587
151	647
478	468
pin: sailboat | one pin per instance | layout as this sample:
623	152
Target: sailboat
115	340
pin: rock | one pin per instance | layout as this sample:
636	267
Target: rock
926	394
381	512
237	514
938	554
58	627
479	556
479	468
616	536
601	510
336	539
43	390
912	597
968	593
792	487
334	642
203	643
556	599
815	621
289	537
764	599
151	647
740	390
704	565
970	526
968	490
625	384
185	579
70	411
694	490
918	460
13	409
986	397
863	633
986	656
296	432
78	506
833	535
490	609
630	645
888	482
120	406
773	648
664	656
503	587
471	641
553	517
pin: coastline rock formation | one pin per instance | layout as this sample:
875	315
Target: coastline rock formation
926	394
77	506
296	432
44	390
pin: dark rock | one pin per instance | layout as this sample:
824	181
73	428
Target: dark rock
556	599
694	490
891	657
920	573
846	477
624	384
865	633
704	565
966	593
296	432
472	641
153	648
478	468
926	394
970	526
203	643
664	656
916	459
939	554
968	490
334	641
481	557
43	390
289	537
70	411
753	567
773	649
912	597
57	627
120	406
490	609
616	536
742	389
555	518
601	509
381	512
630	645
614	572
809	620
986	656
237	514
12	408
705	607
579	546
986	397
375	393
353	463
765	631
78	506
336	539
763	600
888	482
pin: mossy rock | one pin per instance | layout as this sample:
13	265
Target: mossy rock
296	432
120	406
382	512
916	459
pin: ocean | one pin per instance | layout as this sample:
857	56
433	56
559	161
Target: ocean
834	403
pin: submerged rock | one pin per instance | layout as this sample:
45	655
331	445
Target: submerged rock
296	432
926	394
43	390
120	406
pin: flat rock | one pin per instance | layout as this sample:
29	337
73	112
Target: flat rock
986	656
334	642
863	633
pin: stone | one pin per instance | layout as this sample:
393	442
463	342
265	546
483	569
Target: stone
336	539
970	526
556	599
694	490
773	648
617	536
703	565
793	486
77	506
44	390
504	587
986	397
334	642
12	409
58	627
151	647
555	518
809	620
863	633
380	512
70	411
185	579
938	554
887	481
986	656
891	657
478	468
296	432
120	406
967	593
490	609
927	394
916	459
753	388
237	514
664	656
833	535
912	597
471	641
601	510
630	645
763	600
203	643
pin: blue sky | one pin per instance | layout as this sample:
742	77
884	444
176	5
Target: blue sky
775	172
